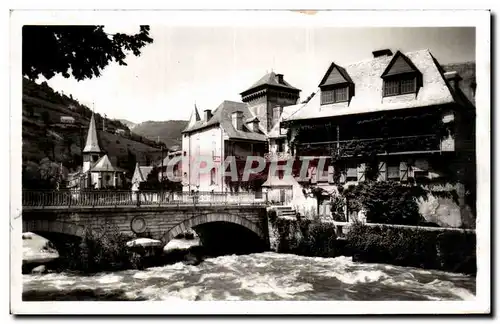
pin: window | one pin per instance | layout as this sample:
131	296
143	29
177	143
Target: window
393	172
394	87
280	146
94	158
352	172
276	114
339	94
213	174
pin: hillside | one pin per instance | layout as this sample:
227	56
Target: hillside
168	131
128	123
467	70
45	135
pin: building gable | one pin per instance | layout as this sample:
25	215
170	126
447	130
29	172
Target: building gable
400	64
335	75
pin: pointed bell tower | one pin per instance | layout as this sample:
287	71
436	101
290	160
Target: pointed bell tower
91	152
195	117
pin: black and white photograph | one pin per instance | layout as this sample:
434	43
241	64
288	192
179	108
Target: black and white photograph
176	158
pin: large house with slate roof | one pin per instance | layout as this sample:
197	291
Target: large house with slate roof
395	117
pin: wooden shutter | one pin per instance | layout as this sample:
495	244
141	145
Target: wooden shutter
343	174
403	171
382	171
361	172
330	174
314	177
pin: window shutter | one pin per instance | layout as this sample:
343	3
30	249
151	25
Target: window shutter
403	171
343	175
330	174
382	171
361	172
314	177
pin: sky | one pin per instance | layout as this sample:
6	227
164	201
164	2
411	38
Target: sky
207	65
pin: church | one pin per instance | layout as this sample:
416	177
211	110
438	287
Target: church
97	170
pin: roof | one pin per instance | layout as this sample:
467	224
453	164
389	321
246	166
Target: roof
174	148
271	79
104	165
141	173
222	116
92	144
399	64
193	119
287	112
334	75
366	76
466	70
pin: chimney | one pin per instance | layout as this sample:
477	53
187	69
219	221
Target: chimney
279	78
382	52
454	79
208	114
237	118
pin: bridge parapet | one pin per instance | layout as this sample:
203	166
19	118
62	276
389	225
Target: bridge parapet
117	198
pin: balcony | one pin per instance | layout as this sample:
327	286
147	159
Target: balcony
357	147
278	156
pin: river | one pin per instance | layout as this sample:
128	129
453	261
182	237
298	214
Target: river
260	276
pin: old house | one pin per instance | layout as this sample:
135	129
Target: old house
238	129
67	120
231	130
395	117
140	175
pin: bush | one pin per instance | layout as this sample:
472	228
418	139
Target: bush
386	202
97	253
448	251
307	237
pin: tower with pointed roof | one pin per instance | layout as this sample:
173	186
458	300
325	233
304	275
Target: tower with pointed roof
92	151
267	97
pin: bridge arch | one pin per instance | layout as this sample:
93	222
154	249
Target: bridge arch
53	226
211	218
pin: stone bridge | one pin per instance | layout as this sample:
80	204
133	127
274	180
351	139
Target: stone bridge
159	222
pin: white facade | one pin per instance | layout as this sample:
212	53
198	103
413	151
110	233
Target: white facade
204	145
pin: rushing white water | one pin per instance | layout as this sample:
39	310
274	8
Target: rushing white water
261	276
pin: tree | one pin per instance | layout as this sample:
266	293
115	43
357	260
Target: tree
80	51
153	182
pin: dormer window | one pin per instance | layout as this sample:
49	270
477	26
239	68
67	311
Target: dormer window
400	85
401	76
334	95
336	86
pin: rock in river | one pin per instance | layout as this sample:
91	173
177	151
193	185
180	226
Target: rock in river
37	249
39	270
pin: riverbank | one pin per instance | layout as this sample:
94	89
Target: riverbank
444	250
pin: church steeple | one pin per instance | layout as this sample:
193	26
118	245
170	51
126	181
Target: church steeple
92	144
195	117
92	151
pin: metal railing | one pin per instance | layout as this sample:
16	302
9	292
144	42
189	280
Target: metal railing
96	198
